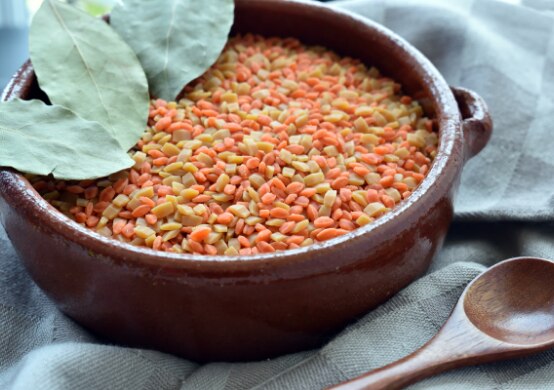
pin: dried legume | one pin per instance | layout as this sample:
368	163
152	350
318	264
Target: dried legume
277	146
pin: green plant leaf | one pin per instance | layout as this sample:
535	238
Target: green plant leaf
41	139
175	40
82	64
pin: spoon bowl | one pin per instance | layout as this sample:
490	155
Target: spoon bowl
506	312
514	301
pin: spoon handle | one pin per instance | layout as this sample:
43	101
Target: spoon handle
397	375
457	344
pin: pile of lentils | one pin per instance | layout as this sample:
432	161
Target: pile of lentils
277	146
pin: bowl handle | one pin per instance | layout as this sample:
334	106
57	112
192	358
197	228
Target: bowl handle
476	120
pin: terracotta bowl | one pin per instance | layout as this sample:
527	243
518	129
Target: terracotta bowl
242	308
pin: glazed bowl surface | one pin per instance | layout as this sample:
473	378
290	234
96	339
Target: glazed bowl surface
242	308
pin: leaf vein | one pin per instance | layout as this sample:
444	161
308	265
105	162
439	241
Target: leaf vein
82	58
167	38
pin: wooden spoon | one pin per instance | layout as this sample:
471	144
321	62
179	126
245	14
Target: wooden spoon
506	312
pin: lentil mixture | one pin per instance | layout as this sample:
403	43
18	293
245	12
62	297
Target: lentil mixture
277	146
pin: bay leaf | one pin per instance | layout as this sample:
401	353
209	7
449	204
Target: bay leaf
175	40
41	139
84	65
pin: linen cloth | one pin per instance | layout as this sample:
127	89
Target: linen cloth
505	208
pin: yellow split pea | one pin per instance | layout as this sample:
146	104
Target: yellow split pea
277	146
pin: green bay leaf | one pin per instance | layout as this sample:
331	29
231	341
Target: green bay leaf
82	64
41	139
175	40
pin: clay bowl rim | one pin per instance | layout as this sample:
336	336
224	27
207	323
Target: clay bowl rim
449	123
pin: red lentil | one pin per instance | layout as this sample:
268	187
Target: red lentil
277	146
